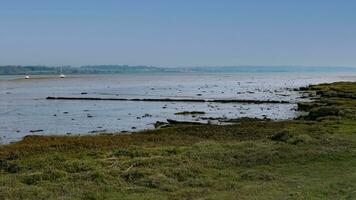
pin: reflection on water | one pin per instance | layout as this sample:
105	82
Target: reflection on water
24	109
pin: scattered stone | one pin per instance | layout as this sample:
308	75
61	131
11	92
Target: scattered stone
147	115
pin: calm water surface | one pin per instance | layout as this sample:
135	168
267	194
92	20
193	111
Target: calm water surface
23	107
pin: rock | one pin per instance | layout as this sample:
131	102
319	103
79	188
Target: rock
147	115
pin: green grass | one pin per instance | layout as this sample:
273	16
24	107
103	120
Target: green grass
297	159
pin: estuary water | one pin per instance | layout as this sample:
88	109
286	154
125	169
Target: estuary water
24	109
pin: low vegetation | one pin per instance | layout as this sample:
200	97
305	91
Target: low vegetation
312	157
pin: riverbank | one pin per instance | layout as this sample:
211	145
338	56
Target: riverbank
312	157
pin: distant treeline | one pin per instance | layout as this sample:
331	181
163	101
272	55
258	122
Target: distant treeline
116	69
97	69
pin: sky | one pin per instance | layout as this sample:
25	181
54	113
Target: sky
178	32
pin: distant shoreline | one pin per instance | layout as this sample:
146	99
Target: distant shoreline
126	69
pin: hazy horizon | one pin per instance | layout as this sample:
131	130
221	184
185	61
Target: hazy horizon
172	66
178	34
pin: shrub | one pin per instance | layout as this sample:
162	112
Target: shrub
315	113
286	136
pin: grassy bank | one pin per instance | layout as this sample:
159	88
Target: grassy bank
313	157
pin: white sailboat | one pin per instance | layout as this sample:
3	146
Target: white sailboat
27	76
62	75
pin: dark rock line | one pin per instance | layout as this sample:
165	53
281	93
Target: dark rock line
173	100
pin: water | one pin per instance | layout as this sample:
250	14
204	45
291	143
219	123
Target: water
23	107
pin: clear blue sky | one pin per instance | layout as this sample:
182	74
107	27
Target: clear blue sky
178	32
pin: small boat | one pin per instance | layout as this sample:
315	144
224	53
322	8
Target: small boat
27	77
62	75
